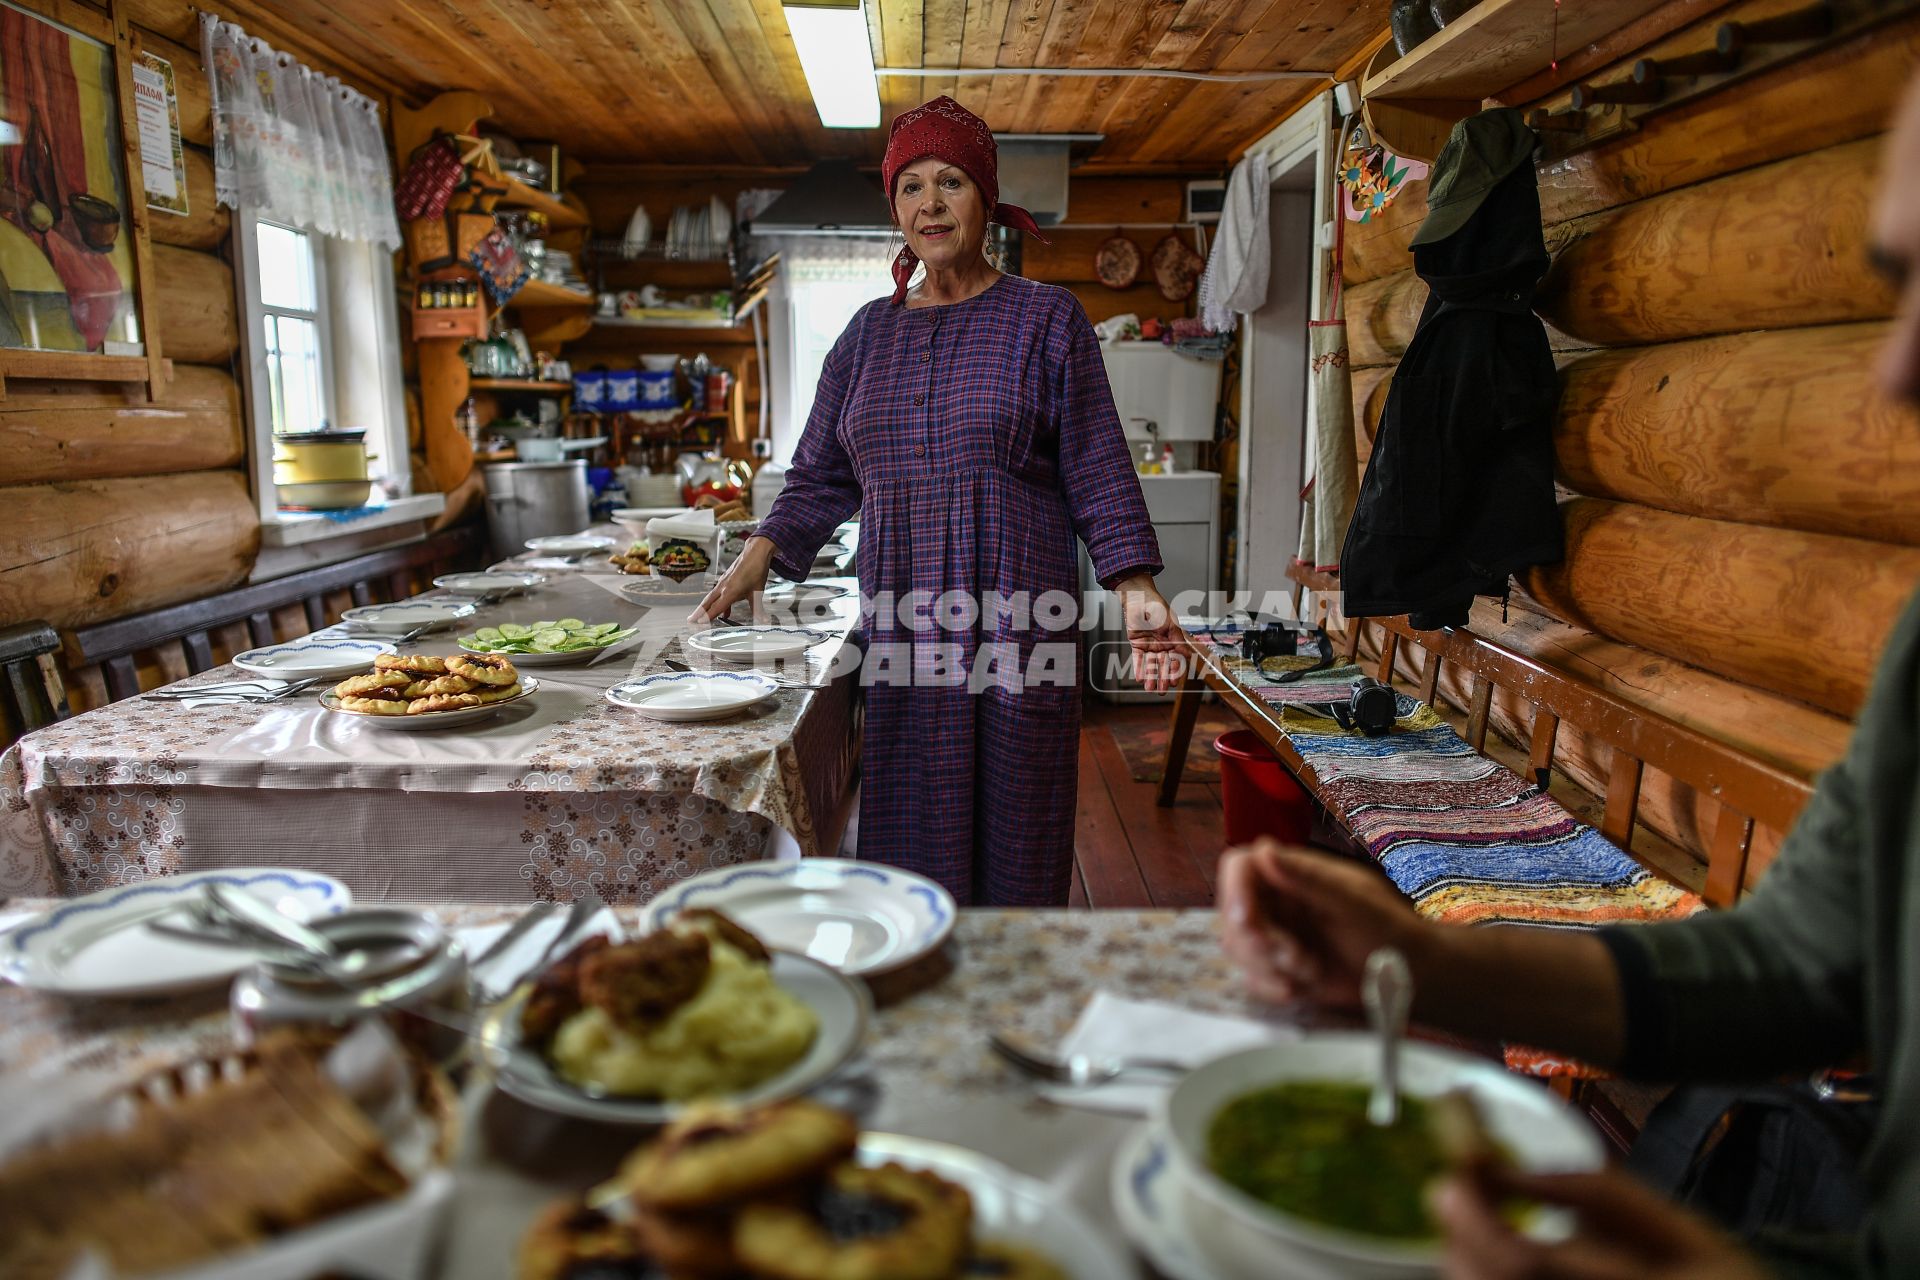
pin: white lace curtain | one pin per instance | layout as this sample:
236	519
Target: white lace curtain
295	145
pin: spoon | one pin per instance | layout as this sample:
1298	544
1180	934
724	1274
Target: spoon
1386	988
1079	1069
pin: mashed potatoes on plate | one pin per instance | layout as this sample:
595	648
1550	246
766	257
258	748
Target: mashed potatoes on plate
738	1031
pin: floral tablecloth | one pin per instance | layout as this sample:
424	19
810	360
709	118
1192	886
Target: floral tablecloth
562	791
926	1070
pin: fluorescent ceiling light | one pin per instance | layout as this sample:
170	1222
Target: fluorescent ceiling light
838	59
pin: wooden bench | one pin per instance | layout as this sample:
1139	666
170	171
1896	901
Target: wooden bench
374	578
1749	791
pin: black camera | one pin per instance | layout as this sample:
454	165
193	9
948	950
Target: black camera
1371	707
1272	640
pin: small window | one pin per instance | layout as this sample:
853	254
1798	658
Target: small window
292	344
322	335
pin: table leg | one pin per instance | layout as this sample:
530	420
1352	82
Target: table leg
1186	709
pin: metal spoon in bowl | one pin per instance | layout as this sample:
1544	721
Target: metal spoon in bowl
1386	988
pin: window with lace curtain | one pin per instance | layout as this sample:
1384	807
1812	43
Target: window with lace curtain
826	279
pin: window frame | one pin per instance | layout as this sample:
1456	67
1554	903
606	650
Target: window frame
395	473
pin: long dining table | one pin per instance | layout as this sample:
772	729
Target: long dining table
552	795
925	1070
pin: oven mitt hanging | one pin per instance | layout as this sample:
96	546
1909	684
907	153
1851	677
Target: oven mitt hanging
500	265
432	174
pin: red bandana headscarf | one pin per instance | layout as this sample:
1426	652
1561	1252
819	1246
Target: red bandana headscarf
947	131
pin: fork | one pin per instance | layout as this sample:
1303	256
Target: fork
1080	1069
252	691
785	682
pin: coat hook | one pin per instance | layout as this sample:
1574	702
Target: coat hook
1593	95
1556	121
1810	23
1704	62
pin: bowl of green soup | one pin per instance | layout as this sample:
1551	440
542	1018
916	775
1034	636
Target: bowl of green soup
1282	1168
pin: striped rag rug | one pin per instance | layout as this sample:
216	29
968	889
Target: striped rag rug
1467	840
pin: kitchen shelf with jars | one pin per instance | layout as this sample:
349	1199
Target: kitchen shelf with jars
496	285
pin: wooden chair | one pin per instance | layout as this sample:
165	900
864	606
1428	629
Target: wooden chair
31	692
377	577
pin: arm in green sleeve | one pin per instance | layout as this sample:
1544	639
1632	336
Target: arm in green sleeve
1780	982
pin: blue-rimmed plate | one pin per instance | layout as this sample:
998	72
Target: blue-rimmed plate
407	615
313	659
859	917
99	945
681	696
754	644
1153	1209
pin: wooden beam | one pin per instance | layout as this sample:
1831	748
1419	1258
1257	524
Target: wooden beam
1727	859
1623	799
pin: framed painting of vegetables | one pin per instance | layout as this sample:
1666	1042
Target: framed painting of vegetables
73	247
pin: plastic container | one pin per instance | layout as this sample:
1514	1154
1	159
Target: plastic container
1260	797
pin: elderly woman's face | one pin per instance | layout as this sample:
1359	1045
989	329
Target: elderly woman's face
941	212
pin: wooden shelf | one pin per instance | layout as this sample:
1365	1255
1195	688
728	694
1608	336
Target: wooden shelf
517	384
542	293
560	217
1495	45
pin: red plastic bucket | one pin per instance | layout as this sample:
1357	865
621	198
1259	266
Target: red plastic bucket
1260	797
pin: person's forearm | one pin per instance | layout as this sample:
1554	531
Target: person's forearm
1542	987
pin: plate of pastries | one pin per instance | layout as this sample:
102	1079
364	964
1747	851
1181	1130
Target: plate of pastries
795	1191
427	691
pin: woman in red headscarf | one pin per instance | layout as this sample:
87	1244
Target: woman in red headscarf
968	420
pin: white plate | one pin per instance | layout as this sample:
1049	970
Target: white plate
479	584
1152	1208
577	544
99	946
398	619
661	591
1008	1205
841	1004
681	696
750	644
313	658
859	917
434	719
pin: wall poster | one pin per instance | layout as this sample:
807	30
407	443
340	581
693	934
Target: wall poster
163	165
66	248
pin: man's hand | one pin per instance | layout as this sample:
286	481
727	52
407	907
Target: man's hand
1301	923
1624	1232
744	581
1159	643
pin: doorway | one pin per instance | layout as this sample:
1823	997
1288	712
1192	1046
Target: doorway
1274	410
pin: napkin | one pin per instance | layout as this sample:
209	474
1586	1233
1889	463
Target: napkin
1115	1027
694	526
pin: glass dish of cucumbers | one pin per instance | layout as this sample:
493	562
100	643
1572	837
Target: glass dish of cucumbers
546	644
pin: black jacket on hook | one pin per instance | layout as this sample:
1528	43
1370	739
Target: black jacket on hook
1458	494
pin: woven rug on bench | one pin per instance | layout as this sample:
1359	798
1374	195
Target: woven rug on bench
1467	840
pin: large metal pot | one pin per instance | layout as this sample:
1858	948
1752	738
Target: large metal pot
534	500
320	457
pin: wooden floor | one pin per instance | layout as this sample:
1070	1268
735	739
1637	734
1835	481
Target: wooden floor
1128	851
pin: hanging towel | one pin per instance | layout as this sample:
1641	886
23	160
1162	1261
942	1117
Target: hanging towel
1235	282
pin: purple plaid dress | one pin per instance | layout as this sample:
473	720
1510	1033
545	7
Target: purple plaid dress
975	440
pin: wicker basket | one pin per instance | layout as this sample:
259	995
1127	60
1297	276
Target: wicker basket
429	246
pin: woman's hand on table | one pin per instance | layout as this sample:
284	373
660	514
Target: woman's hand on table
1159	643
1300	923
1625	1231
744	581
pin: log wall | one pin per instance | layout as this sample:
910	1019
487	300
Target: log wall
119	504
1742	506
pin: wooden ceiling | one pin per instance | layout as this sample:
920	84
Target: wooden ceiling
716	82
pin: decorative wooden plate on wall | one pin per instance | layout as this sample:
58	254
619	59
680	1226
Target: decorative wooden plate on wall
1176	268
1116	263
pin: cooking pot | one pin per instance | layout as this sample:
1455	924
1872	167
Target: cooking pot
317	457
